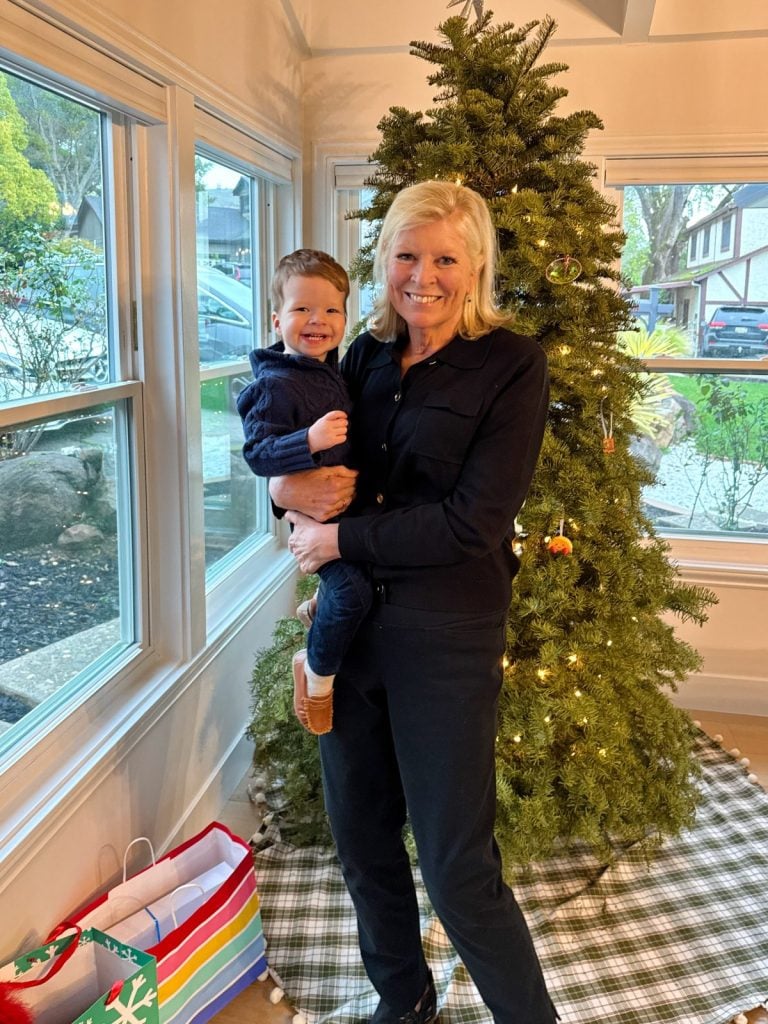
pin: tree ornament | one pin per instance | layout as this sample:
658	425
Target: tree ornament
12	1009
560	544
609	445
563	270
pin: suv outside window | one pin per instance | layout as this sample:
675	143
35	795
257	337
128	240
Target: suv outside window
736	331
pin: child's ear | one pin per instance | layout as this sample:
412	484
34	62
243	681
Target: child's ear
276	323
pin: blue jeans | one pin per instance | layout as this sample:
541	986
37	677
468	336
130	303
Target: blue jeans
343	600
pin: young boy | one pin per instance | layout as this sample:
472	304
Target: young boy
295	416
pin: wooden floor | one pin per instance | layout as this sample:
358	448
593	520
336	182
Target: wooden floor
748	735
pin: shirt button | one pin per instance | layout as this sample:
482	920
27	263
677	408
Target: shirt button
384	446
379	498
398	396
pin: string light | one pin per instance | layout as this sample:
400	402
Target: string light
517	738
565	350
577	693
542	673
573	658
603	752
547	719
505	661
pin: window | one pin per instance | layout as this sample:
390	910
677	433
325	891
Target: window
725	234
692	252
708	438
67	453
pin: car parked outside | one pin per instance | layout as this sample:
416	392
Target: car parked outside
737	331
225	317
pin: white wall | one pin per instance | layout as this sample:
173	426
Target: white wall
657	98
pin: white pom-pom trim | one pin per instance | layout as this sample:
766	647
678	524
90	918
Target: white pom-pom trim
276	995
735	752
697	723
752	778
263	976
717	738
745	761
741	1019
299	1018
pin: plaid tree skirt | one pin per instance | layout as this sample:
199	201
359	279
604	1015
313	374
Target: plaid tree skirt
684	940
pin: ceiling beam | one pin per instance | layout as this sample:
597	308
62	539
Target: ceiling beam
638	16
609	11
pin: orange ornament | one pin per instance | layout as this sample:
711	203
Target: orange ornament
560	545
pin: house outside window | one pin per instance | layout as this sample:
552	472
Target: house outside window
708	442
692	248
67	445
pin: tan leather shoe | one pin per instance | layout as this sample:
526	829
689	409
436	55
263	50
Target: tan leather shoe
314	713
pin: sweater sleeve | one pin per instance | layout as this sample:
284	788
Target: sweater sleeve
475	518
272	444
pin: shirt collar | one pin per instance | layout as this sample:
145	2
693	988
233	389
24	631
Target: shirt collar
459	352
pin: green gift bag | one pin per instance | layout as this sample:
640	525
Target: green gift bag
84	977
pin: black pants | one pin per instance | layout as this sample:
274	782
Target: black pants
415	726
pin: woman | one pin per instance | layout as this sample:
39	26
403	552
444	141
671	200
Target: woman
449	412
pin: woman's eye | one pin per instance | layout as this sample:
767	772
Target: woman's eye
447	261
404	256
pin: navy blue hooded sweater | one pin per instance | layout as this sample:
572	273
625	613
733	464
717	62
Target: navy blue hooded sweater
287	395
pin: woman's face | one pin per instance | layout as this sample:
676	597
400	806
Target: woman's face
430	276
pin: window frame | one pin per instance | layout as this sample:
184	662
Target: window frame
53	768
242	574
621	161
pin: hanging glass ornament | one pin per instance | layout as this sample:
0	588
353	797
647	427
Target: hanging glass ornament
563	270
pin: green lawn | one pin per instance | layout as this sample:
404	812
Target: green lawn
733	417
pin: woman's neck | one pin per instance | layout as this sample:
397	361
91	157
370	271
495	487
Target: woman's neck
424	343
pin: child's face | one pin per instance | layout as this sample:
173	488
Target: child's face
311	319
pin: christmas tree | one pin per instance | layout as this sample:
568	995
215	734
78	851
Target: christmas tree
590	748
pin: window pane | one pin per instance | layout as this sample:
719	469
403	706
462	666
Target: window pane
725	293
709	447
224	261
53	293
235	500
65	553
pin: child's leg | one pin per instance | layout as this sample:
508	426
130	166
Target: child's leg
343	600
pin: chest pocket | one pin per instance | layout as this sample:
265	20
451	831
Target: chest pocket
445	426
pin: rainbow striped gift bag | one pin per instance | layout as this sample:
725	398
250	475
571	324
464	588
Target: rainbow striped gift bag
196	910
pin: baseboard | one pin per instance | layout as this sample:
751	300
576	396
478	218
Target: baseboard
734	695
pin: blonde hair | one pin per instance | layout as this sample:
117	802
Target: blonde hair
424	203
308	263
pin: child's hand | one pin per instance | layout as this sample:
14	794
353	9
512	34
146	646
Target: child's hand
328	431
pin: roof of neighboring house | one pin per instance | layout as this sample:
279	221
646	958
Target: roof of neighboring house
92	204
699	273
747	195
224	224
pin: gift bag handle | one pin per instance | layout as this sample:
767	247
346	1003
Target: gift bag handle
187	885
138	839
66	954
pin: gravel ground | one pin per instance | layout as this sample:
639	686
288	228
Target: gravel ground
48	593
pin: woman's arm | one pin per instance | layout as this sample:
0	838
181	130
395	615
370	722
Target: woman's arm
319	493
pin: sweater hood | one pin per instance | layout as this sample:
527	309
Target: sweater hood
276	355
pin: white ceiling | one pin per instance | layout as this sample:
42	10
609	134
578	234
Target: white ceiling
329	27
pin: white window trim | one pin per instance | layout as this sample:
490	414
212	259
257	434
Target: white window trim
630	160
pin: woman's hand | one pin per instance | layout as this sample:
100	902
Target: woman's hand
312	544
320	493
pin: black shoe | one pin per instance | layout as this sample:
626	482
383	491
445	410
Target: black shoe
424	1012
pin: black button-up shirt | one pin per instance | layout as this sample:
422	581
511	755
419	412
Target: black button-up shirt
446	455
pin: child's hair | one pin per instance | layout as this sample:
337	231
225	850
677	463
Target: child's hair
308	263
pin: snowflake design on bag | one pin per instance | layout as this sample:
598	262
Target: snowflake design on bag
128	1012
